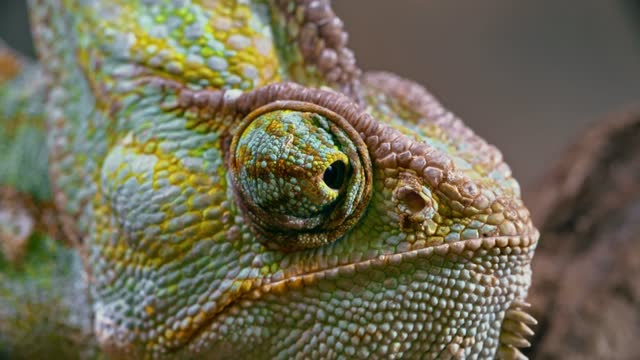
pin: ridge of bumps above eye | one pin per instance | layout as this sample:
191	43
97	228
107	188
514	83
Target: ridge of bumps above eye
301	172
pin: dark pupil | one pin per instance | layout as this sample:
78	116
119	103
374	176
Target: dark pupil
334	175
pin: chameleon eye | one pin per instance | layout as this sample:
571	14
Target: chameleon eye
301	174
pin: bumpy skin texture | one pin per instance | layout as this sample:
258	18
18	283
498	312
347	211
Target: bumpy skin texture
235	187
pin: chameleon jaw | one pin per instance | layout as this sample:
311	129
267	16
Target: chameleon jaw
515	245
462	250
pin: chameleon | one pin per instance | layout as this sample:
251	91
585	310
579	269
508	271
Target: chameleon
219	179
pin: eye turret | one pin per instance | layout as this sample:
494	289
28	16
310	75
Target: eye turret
302	174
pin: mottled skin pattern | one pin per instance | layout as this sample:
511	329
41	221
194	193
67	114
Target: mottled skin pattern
233	187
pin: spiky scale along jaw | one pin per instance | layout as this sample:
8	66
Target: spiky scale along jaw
150	107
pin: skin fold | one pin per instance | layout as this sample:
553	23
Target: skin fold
224	182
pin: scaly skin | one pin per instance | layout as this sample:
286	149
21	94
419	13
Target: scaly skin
235	187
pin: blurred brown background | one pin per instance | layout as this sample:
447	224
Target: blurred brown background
526	75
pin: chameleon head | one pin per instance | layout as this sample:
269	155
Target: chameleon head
337	229
306	224
226	214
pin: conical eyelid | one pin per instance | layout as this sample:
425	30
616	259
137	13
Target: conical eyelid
289	233
281	157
